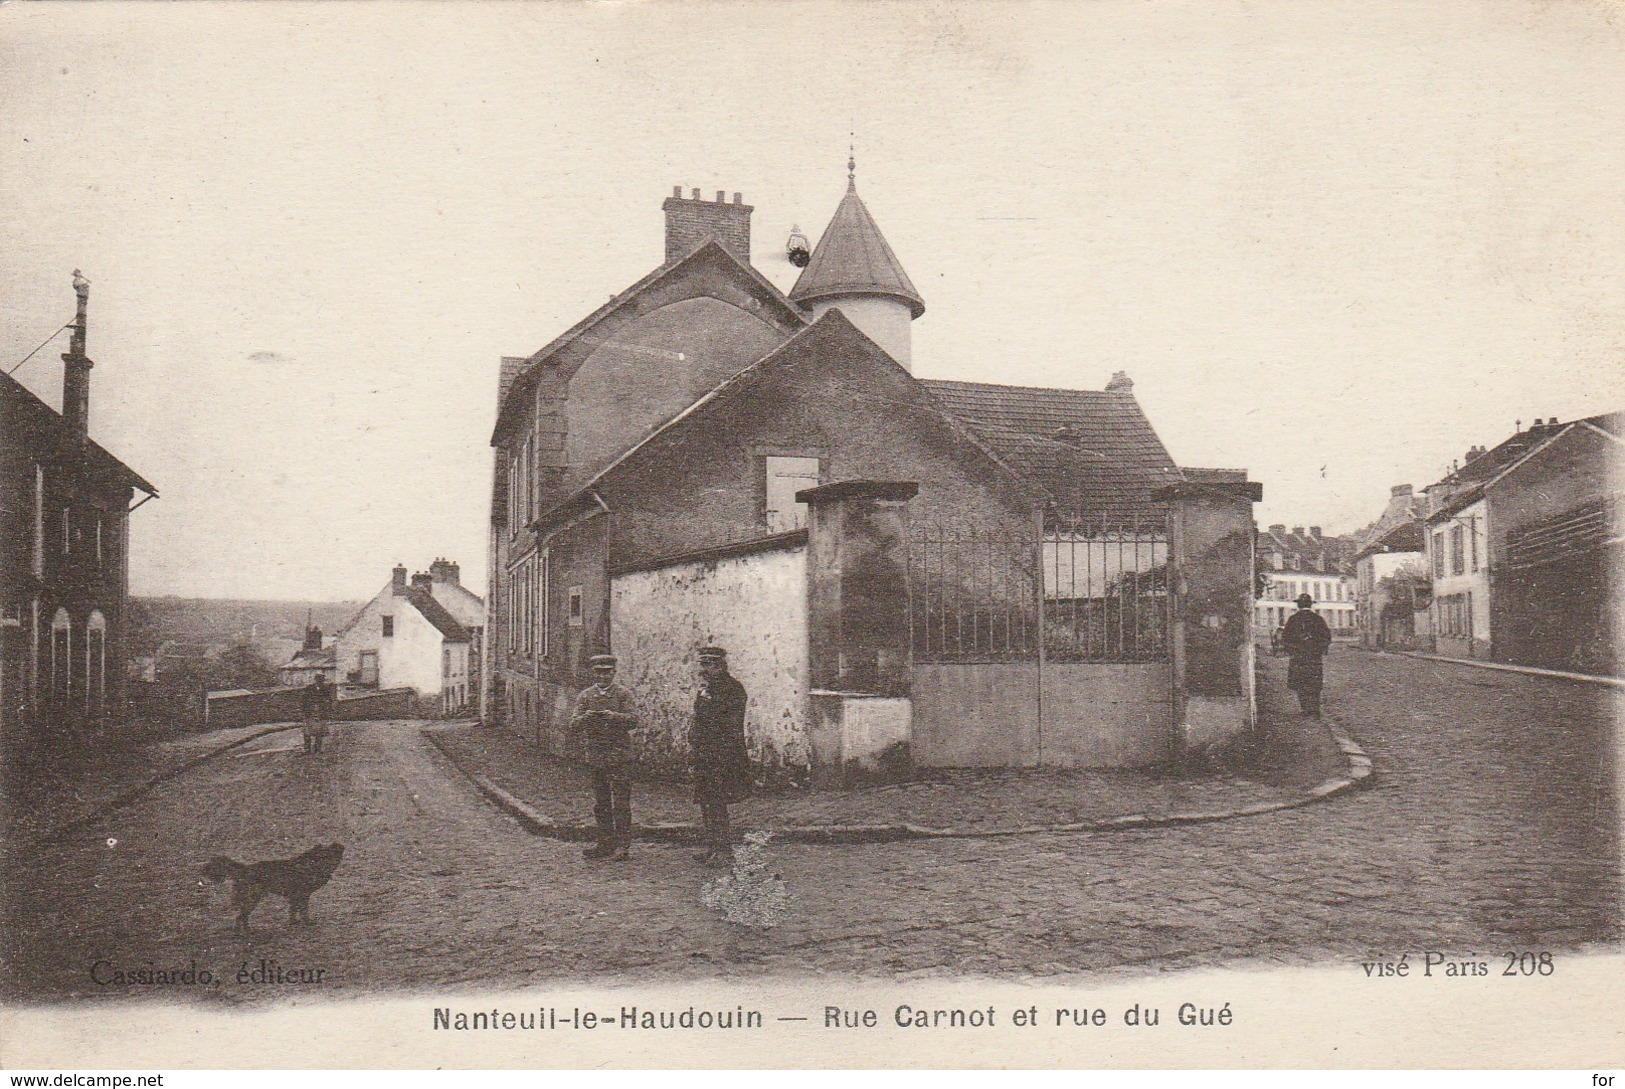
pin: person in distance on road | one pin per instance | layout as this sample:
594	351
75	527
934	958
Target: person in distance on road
1306	639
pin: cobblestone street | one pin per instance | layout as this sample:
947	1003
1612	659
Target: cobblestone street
1489	826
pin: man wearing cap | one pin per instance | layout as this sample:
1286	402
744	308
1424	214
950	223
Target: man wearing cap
605	715
316	707
716	746
1306	639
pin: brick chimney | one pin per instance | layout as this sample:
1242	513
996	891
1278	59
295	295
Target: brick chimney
1278	527
313	638
1399	491
446	571
422	580
1297	531
1314	531
691	220
76	370
1120	383
398	581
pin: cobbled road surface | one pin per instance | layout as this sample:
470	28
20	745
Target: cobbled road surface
1490	826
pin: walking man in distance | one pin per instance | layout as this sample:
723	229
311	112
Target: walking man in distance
1307	639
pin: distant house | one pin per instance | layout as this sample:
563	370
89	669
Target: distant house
1459	524
1300	561
1391	581
65	504
313	659
902	569
409	636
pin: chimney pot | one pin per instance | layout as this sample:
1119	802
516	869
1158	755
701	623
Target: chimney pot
76	369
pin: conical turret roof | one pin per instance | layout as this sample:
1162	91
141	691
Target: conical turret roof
852	258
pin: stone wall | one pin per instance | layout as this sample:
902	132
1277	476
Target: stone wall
753	605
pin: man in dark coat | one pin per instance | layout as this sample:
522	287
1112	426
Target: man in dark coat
606	715
316	706
716	745
1306	639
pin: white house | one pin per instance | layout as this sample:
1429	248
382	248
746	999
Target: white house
410	636
1458	557
1310	563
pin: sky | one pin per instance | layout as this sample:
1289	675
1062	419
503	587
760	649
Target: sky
1336	244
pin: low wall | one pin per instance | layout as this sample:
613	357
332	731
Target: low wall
976	716
1094	715
282	705
1108	715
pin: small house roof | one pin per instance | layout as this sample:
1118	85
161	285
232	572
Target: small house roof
313	659
436	614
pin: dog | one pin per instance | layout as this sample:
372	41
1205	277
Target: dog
295	879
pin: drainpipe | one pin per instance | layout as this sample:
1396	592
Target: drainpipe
1038	550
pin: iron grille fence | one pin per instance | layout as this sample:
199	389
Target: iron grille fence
1094	590
1106	588
972	596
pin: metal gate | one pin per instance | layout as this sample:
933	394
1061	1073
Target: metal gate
1088	590
1034	648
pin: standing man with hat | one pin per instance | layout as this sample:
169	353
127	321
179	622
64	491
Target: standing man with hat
1306	639
316	706
717	755
605	714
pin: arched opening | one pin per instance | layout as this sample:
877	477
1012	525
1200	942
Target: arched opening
96	664
61	659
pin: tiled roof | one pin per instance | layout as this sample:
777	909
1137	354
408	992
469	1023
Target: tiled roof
312	659
34	415
1305	548
853	258
436	614
1089	449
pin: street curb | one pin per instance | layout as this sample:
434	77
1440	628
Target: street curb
1357	774
118	801
1528	671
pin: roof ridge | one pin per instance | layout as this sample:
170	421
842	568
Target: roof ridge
1031	389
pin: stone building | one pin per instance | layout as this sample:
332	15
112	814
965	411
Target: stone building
1554	545
65	504
706	459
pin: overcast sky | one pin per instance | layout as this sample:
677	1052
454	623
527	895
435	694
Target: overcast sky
1335	244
